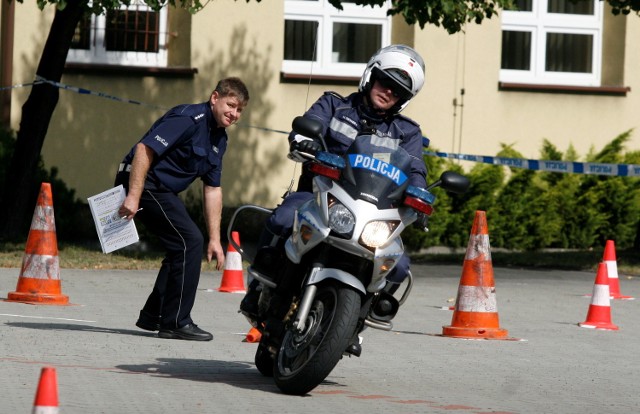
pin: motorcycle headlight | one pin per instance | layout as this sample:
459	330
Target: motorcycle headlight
341	220
376	233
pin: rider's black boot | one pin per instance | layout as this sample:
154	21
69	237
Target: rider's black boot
249	304
266	265
354	348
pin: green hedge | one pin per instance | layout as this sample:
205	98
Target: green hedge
75	224
529	210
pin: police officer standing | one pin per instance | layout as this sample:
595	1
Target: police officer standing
186	143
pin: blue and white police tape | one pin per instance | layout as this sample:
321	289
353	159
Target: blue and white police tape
83	91
592	168
19	85
620	170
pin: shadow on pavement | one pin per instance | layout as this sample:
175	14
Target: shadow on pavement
235	373
75	327
239	374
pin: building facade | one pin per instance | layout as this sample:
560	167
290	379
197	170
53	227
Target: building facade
552	70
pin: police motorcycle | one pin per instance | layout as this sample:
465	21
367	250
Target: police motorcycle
328	282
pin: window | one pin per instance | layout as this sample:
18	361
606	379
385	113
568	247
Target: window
345	39
131	36
554	42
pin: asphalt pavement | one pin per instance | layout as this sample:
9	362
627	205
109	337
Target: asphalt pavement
104	364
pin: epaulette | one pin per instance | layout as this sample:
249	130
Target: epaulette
198	117
406	118
335	94
192	111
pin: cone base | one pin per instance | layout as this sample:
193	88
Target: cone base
490	333
232	290
607	326
232	282
38	298
622	297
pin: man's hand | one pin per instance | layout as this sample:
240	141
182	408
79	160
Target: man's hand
215	249
129	207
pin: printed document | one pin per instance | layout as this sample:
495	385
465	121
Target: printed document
114	231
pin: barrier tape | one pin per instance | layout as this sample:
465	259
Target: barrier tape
19	85
592	168
83	91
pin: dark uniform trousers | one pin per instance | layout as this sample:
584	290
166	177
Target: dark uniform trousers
173	295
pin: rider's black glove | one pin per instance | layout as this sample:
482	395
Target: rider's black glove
308	145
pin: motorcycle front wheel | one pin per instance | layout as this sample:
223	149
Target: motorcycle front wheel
306	358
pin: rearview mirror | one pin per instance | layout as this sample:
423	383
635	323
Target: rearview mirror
454	182
307	127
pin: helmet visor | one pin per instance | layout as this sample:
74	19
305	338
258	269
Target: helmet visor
391	83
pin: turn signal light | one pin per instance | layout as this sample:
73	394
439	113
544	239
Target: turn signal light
418	205
325	171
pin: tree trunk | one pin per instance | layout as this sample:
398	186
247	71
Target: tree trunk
20	185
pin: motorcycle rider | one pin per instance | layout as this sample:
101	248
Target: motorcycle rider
393	76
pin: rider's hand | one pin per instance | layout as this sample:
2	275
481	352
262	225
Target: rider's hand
308	145
301	145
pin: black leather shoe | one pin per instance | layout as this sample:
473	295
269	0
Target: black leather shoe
189	332
148	323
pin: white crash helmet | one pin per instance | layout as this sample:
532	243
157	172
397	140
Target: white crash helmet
399	63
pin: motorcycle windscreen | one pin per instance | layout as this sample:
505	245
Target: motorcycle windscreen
377	170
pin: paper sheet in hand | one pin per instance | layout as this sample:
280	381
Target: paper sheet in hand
114	232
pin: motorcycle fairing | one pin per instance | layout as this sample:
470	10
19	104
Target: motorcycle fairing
307	215
313	214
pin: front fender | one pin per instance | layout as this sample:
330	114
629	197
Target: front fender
319	274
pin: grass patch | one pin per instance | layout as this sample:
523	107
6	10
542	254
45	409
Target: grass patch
586	260
90	257
87	257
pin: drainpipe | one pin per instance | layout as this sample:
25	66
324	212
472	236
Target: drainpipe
6	60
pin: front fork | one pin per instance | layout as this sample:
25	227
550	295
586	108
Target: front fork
305	305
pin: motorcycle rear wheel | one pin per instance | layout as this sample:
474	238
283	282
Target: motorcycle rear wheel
306	358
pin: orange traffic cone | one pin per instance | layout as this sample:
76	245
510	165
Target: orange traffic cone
254	335
475	314
39	280
232	277
599	314
46	401
609	258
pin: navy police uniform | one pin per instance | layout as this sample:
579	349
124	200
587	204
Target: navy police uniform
187	145
344	118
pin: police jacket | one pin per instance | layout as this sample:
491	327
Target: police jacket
187	145
343	118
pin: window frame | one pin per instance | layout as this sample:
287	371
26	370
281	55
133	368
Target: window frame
97	53
325	15
539	22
